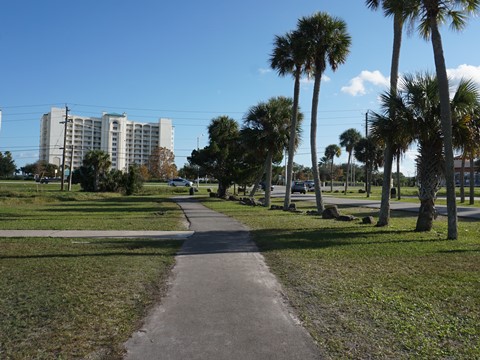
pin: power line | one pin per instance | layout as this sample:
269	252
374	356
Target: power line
160	110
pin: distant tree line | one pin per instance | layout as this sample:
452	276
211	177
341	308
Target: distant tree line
7	165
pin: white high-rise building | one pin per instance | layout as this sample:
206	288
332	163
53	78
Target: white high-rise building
126	141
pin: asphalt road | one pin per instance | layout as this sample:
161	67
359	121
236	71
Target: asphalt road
462	211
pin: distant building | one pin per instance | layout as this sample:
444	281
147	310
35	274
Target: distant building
126	141
458	167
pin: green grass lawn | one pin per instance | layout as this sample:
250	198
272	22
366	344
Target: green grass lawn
368	292
72	298
48	208
80	298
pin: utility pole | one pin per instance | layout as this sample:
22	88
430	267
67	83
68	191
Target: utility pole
367	163
64	146
70	175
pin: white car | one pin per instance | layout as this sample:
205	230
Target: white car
180	182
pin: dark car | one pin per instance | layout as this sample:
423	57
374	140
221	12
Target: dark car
299	186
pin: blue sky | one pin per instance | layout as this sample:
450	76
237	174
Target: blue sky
192	61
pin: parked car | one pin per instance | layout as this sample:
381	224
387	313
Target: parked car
299	186
180	182
310	185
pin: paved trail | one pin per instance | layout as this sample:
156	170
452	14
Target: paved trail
223	302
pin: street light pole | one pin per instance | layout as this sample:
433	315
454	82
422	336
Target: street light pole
70	175
367	165
64	146
198	166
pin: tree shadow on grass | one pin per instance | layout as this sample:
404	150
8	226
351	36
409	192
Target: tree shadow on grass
124	247
271	239
458	251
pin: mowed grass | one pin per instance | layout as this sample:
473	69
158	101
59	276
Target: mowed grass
29	209
368	292
80	298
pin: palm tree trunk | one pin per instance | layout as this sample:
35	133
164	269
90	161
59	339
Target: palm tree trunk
291	141
313	141
96	181
384	214
257	181
472	179
398	176
446	120
331	176
426	214
462	178
348	171
367	178
268	180
397	43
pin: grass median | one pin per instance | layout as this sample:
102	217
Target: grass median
368	292
80	298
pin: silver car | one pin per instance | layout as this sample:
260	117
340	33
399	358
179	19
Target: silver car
180	182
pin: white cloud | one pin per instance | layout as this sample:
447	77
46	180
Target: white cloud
464	72
357	86
263	71
306	80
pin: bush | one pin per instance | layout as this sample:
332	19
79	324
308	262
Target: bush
128	183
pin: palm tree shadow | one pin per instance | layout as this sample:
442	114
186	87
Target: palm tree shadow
111	248
272	239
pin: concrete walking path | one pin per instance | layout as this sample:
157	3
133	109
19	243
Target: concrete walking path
223	302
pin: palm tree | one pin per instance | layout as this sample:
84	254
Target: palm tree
100	162
433	13
400	150
393	133
397	9
271	121
288	57
464	105
327	42
348	139
331	152
368	151
419	105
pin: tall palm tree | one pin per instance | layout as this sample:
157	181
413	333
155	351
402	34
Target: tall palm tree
327	42
394	134
432	14
271	121
348	139
421	101
474	151
368	150
288	57
331	152
400	150
464	105
419	105
401	10
100	162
